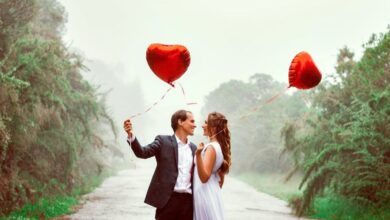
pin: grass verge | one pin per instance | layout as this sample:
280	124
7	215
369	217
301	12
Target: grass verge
336	208
54	206
325	208
273	184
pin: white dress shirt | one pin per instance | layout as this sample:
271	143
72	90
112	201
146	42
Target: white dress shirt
185	162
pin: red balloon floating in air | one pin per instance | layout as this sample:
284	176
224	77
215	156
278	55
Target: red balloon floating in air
168	62
303	73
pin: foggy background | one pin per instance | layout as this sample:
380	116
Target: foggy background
226	40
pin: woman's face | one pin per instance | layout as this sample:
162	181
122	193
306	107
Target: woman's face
205	129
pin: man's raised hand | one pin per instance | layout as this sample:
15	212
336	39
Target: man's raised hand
127	125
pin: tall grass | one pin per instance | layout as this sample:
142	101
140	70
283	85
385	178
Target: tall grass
45	208
337	208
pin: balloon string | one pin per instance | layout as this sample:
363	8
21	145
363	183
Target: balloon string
162	97
306	114
185	98
305	99
154	104
217	133
273	98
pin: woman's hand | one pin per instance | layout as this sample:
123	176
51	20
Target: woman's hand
206	162
199	149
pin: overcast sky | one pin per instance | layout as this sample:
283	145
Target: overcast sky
227	39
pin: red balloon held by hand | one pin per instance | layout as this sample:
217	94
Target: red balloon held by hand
303	73
168	62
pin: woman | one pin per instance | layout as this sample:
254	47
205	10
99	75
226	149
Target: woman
209	160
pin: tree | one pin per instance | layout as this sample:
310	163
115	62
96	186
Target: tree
49	114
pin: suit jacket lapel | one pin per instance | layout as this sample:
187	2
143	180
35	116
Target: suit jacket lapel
175	149
193	148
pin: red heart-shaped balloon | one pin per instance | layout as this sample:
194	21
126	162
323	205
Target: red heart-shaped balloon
303	73
168	62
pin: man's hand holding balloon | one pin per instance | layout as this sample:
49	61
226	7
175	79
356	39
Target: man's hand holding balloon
128	126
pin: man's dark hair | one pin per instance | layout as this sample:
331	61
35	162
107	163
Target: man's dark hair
179	115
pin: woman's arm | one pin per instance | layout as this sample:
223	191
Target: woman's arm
205	165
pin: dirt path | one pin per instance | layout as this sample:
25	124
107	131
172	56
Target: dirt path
122	196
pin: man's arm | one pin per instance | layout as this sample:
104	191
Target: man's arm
147	151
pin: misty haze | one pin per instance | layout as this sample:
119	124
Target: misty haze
314	146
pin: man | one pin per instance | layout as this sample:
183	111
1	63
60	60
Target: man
170	189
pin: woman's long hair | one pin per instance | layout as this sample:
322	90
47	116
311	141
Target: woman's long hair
217	125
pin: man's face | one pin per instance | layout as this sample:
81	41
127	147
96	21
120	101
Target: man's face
189	124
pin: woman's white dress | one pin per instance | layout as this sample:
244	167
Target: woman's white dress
207	196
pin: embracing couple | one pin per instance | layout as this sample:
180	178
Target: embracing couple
187	181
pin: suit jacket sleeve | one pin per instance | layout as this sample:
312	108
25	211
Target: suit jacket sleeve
147	151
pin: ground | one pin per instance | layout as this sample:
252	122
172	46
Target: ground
121	197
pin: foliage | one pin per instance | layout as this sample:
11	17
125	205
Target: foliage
48	113
344	148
